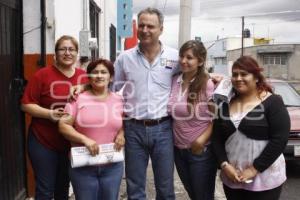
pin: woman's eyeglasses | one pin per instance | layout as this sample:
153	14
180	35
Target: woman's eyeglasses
64	50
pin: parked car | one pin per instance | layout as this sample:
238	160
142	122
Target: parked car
291	99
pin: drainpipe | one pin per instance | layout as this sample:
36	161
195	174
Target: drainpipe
42	61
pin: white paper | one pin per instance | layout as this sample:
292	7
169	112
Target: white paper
80	156
224	91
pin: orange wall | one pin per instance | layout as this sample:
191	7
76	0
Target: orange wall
30	62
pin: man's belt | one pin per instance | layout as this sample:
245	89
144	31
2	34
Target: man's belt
150	122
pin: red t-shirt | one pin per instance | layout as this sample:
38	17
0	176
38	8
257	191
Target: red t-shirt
49	88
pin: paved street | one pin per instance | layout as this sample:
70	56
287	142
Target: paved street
179	190
291	189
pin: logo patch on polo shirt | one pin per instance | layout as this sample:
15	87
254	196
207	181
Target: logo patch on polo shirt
169	64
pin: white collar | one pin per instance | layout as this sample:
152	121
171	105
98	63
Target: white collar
162	48
180	79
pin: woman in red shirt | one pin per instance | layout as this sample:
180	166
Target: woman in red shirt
44	99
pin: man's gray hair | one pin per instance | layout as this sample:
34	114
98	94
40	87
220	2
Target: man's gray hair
152	11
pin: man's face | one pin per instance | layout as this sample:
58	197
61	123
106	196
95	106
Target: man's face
149	29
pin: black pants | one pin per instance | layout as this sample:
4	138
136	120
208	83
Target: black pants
240	194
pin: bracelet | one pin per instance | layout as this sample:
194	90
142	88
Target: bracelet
224	164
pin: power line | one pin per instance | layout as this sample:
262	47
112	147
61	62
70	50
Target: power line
253	15
164	8
278	22
30	30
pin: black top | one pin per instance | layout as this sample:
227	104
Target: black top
267	121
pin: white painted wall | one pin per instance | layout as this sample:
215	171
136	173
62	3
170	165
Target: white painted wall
68	17
50	27
108	16
31	26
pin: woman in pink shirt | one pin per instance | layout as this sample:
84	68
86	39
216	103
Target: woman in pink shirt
191	108
96	118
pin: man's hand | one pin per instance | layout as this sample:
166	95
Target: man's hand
56	114
75	90
216	79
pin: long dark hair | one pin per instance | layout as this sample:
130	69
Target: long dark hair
197	89
250	65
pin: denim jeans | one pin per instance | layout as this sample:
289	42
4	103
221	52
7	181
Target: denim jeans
197	172
143	142
50	171
97	182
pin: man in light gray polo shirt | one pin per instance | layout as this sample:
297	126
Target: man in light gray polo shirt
147	71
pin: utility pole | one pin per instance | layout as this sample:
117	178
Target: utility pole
84	34
253	24
243	24
185	21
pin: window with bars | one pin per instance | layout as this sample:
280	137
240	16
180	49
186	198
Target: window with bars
220	60
275	59
94	26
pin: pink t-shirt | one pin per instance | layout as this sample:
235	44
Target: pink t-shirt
99	120
187	127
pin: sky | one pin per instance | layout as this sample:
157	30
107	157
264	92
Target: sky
212	19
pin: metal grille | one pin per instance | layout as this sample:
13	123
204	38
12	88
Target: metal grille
12	156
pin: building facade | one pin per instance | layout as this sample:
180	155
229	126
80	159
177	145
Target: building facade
67	17
217	52
279	61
